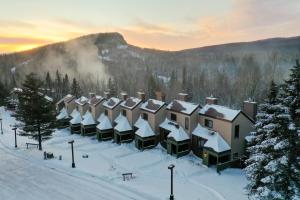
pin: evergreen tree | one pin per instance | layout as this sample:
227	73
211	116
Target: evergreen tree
48	84
66	85
58	85
3	94
75	88
35	111
184	79
152	86
291	98
268	168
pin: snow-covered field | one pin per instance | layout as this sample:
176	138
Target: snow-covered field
25	175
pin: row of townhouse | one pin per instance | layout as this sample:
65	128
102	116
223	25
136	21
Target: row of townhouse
213	132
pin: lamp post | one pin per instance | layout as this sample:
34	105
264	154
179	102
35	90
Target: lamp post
73	163
15	129
1	125
171	167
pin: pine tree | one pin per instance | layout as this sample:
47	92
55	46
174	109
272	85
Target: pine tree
75	88
3	94
66	85
35	111
58	85
291	98
267	167
48	83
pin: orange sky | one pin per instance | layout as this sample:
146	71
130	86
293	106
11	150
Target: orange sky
168	24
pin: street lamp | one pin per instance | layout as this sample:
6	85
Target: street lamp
1	125
171	167
15	129
73	163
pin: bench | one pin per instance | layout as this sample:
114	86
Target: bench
127	176
32	144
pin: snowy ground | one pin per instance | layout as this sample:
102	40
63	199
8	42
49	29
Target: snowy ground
25	175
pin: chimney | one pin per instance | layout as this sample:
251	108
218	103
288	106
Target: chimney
107	94
182	96
160	96
211	100
250	108
92	94
124	96
142	96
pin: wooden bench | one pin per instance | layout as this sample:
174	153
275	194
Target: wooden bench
32	144
126	176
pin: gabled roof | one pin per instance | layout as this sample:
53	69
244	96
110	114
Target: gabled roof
76	118
63	114
178	134
176	131
213	139
139	122
152	105
88	119
131	102
82	100
144	129
122	124
182	107
104	122
219	112
95	100
112	102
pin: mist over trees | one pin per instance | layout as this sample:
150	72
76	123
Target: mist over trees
95	63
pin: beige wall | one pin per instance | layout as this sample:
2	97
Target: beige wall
222	127
82	109
132	115
97	110
238	145
70	106
113	113
226	129
155	119
181	120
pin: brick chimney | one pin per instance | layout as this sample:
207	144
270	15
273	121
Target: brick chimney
160	96
141	96
211	100
124	96
92	94
107	94
250	108
183	96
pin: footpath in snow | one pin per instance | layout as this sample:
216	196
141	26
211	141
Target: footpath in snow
25	175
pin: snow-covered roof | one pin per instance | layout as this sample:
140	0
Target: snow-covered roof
68	98
48	98
88	119
152	105
76	118
112	102
104	122
74	113
178	134
95	100
214	139
144	129
63	114
219	112
82	100
131	102
122	124
139	122
182	107
176	131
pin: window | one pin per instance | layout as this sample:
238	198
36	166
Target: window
77	108
145	116
235	155
173	117
186	123
208	123
124	113
201	143
237	131
90	109
105	112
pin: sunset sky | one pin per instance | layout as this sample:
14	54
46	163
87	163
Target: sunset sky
160	24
